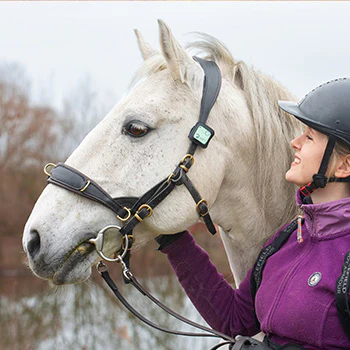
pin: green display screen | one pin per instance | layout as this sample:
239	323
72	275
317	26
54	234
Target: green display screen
202	135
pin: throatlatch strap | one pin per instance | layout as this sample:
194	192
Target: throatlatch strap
341	296
268	251
202	207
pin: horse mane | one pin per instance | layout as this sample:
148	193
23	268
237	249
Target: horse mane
272	128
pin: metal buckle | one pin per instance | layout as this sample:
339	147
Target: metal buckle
127	217
46	168
186	156
170	177
126	238
142	207
199	203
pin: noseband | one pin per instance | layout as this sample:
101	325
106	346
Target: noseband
132	210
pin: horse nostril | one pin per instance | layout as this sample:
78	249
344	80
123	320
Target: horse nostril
33	245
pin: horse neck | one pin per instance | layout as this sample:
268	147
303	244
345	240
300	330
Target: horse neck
245	224
254	199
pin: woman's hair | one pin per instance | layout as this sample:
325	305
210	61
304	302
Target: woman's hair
341	149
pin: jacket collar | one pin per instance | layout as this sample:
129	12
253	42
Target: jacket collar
326	220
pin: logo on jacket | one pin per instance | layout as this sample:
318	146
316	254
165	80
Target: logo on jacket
314	279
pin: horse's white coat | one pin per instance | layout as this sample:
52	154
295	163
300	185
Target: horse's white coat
241	173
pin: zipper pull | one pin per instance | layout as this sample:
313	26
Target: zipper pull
299	232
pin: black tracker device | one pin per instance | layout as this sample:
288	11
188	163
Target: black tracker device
201	134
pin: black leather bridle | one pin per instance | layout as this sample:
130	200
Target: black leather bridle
131	210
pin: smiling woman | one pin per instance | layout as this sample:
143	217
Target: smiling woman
309	147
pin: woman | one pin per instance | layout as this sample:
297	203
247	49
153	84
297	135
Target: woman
295	301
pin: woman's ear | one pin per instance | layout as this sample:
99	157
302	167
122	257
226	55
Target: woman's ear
343	168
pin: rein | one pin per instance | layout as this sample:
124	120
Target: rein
132	210
103	270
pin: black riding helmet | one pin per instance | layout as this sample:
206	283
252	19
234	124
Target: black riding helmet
327	110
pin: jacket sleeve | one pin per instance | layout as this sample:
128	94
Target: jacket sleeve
225	309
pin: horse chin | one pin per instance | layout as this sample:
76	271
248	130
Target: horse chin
76	267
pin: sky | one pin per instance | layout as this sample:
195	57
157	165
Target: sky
301	44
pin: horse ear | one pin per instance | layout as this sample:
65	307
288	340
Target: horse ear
146	49
179	62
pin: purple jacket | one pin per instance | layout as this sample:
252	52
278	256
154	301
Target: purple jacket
290	305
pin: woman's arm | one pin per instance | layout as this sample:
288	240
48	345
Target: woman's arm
225	309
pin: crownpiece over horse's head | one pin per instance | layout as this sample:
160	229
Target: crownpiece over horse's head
142	140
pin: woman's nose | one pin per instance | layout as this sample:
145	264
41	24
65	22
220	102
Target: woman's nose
295	143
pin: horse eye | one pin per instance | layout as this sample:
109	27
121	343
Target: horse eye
135	129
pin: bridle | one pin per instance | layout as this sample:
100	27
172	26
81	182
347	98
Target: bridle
132	210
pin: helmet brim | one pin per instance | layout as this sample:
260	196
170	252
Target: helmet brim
294	109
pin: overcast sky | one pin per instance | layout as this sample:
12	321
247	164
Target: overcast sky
301	44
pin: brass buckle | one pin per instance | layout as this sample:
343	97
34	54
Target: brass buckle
169	177
127	217
199	203
142	207
46	168
186	156
127	243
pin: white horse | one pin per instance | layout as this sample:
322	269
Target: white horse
240	174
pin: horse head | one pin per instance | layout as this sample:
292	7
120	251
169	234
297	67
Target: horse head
143	138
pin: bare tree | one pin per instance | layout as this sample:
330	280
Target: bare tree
27	139
26	132
81	112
